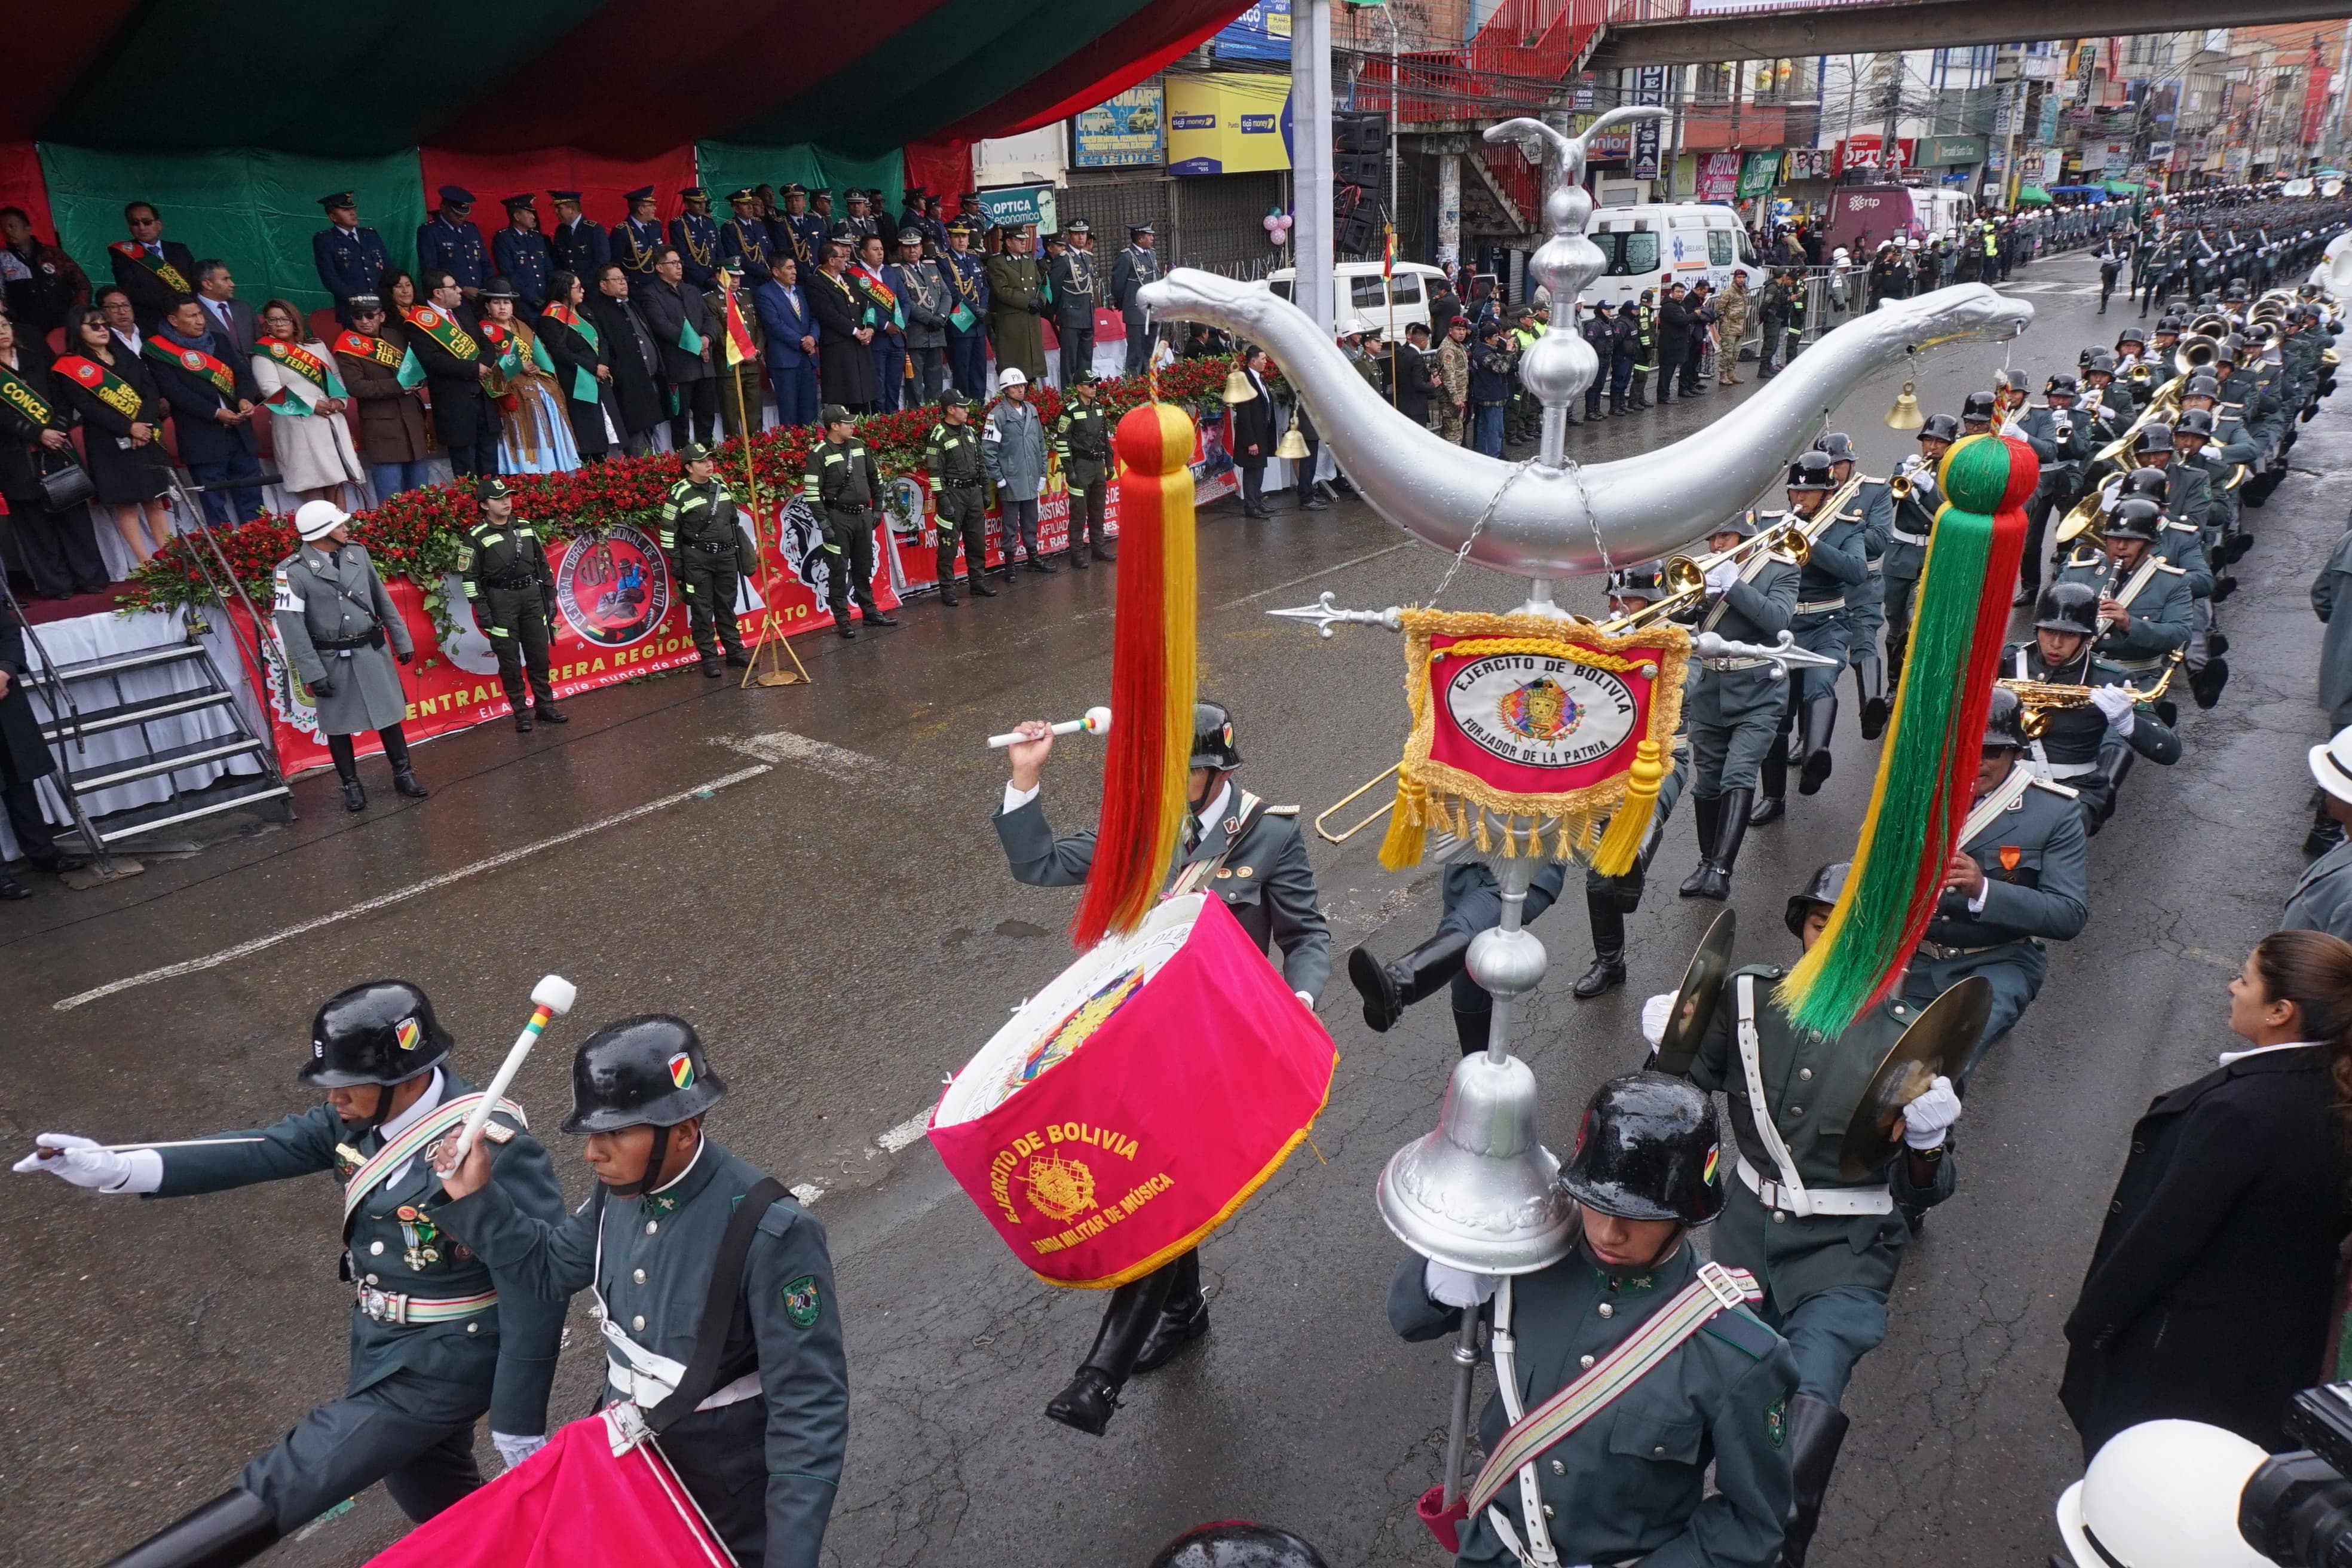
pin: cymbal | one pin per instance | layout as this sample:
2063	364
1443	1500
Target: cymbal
1702	988
1936	1044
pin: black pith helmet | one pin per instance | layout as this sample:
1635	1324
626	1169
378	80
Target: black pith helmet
1213	738
1939	427
2147	483
2005	721
2067	607
1977	405
380	1032
1237	1543
641	1072
1822	889
2137	518
1837	445
1647	1149
1810	471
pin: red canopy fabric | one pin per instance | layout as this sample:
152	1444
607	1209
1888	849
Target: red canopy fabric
21	185
1102	69
49	48
941	166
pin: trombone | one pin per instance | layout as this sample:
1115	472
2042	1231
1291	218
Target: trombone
1342	837
2040	698
1685	575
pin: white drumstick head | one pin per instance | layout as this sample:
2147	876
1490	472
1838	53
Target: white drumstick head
1097	720
555	993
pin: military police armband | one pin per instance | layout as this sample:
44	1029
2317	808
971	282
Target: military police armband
283	596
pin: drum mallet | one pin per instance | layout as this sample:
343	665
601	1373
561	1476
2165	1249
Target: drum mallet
551	996
1096	722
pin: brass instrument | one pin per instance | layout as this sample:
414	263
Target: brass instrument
2140	374
2196	351
2211	324
2082	521
2040	698
1342	837
1685	576
2124	449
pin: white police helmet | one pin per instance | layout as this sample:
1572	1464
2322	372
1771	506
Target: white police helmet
2163	1494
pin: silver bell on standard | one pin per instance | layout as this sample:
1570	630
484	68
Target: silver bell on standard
1480	1194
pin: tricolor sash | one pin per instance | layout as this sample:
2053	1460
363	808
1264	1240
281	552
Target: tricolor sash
18	394
885	304
195	361
442	328
155	264
583	384
410	1142
502	344
398	358
309	367
104	384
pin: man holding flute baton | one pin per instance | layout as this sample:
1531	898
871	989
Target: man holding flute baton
438	1337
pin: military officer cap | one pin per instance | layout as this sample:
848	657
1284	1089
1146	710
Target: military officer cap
563	195
1237	1543
1055	238
844	232
858	195
2005	722
2067	607
642	193
1977	406
2149	482
795	189
1836	444
744	194
2155	438
1141	228
1939	427
2062	385
732	267
517	203
1647	1149
1822	889
1078	226
1809	471
910	237
1086	379
340	199
834	414
491	488
2138	517
955	399
361	304
916	191
498	287
963	226
1213	737
2198	422
456	196
641	1072
694	452
381	1032
826	191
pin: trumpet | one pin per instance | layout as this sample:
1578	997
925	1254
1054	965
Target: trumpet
2040	698
2140	374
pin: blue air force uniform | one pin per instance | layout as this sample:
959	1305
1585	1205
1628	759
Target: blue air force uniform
456	246
350	261
524	259
634	246
582	249
696	235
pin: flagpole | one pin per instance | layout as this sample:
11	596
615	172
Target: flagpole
769	622
1387	287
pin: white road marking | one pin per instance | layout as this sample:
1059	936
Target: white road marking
783	746
906	1133
431	884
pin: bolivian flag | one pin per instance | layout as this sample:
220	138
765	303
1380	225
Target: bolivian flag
739	348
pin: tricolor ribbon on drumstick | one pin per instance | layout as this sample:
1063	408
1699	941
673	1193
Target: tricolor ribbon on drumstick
551	996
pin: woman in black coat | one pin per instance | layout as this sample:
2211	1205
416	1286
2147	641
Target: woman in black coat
2210	1293
124	448
581	366
60	551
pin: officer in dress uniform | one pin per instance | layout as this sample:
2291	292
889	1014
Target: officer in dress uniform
1137	265
1250	855
1076	289
438	1336
844	490
1631	1481
351	261
2062	441
637	239
800	232
911	214
967	274
959	492
2017	880
343	634
1823	1248
521	252
673	1212
1732	706
696	239
449	239
511	588
1837	564
578	246
1907	546
861	221
1866	603
1082	442
922	291
2144	602
744	237
701	535
2090	746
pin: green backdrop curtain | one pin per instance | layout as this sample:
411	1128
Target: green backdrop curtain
731	166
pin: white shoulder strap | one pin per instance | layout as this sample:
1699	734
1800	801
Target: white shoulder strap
1751	1063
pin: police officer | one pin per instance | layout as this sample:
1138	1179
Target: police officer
1907	547
861	221
696	235
844	490
450	240
2144	602
1245	852
438	1336
1643	1176
743	238
1733	705
511	588
701	535
1077	288
637	240
1137	265
2017	881
2089	746
1837	564
1866	603
1823	1248
1082	442
351	261
959	492
520	251
673	1212
967	277
342	632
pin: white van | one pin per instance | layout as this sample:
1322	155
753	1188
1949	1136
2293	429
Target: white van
1362	299
1652	244
1937	214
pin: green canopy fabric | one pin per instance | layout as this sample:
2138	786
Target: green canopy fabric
2123	187
255	210
2032	195
727	166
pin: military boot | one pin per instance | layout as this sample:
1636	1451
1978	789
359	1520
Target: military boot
234	1527
1184	1319
1870	683
1730	829
517	700
2325	833
2205	685
1815	725
978	587
1772	799
1473	1028
396	752
1816	1432
1127	1319
2115	766
1388	989
1707	814
1608	970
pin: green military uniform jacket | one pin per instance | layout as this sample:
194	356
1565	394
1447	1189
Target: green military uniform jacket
2037	884
1632	1481
2159	611
496	556
953	456
1812	1084
1082	440
397	1244
701	515
2182	544
1754	611
842	478
1838	562
654	1275
1912	525
2074	736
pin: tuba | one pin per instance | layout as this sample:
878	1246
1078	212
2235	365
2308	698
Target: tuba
2196	351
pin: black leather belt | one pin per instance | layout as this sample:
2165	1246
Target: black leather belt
516	584
967	484
372	637
714	547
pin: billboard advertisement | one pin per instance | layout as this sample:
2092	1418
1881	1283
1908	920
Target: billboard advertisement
1228	122
1123	133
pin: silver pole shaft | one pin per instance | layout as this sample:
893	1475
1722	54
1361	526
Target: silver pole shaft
1465	1371
1517	872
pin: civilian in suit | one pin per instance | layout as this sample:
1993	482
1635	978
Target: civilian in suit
391	416
450	241
213	423
442	335
351	260
60	551
578	247
789	324
2210	1293
846	366
679	316
520	254
1416	375
225	313
1253	434
576	344
153	270
630	350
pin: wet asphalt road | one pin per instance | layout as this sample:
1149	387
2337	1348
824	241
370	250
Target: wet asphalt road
840	925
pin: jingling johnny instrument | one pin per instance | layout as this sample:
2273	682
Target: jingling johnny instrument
1935	1045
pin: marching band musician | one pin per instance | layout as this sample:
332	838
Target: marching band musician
2018	880
1836	566
1732	706
2144	606
1976	414
1907	547
1632	1485
2190	536
670	1216
439	1334
1823	1248
2089	746
1248	854
2061	441
2231	446
1865	602
2115	406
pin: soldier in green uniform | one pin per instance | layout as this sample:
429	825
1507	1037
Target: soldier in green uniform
672	1213
1823	1248
699	534
1629	1481
2089	747
959	492
511	591
2144	604
2061	441
845	488
1238	848
1907	536
1837	564
1082	441
438	1334
1732	706
1865	602
2017	881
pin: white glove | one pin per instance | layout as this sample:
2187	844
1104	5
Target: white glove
1655	1013
83	1163
1721	576
1457	1287
1926	1119
2115	704
1305	1000
514	1450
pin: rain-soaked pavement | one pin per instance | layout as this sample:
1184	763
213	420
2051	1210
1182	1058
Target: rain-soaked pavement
810	876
